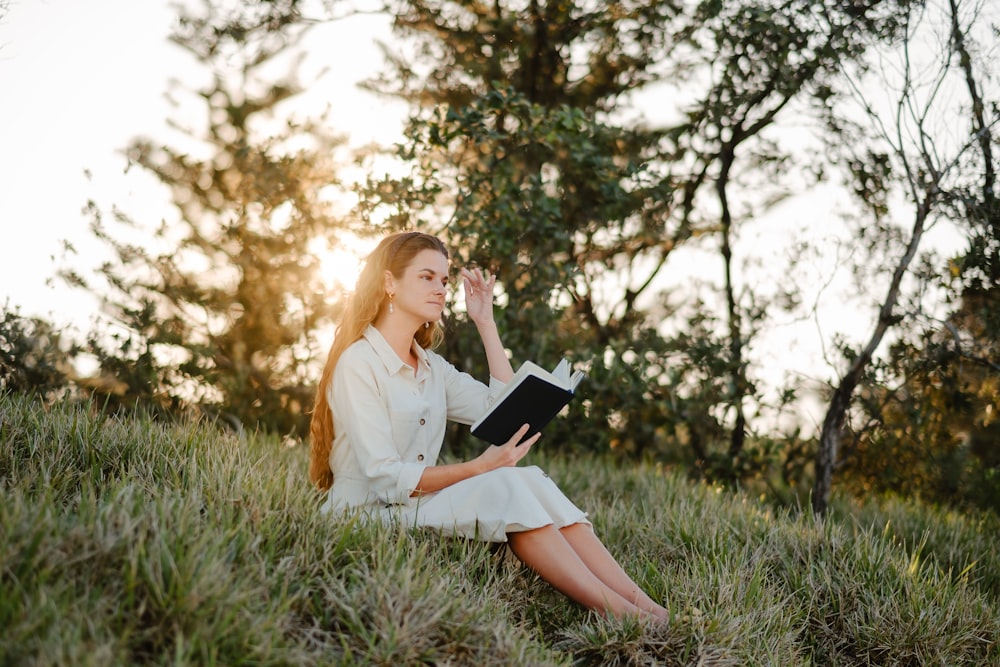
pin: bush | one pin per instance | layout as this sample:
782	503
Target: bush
31	355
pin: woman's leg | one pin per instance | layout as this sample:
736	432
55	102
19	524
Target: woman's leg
599	560
547	551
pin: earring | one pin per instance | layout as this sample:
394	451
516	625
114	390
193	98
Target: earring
390	302
426	324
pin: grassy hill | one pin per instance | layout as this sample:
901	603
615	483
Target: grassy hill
131	542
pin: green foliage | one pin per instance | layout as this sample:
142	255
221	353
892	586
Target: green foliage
518	154
515	159
128	541
32	356
927	423
218	308
582	55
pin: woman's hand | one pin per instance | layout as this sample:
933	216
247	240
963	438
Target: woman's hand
435	478
479	305
509	453
478	295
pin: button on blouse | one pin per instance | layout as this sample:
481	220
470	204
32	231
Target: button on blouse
389	421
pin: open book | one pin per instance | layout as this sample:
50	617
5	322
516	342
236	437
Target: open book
533	396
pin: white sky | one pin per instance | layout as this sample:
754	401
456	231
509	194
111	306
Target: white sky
78	81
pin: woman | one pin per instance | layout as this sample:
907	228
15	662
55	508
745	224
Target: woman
379	422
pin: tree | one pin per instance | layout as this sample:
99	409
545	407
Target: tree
223	313
516	158
936	406
519	151
762	59
933	171
32	356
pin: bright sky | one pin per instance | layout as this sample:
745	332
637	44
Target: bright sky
79	80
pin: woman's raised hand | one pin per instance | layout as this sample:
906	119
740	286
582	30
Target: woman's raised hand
509	453
478	294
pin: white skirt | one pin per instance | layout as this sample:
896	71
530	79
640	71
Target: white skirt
488	506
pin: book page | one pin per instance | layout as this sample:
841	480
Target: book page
561	372
531	368
566	377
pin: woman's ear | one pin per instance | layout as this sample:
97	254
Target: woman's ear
389	283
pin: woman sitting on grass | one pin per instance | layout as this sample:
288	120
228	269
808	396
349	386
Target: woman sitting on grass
379	422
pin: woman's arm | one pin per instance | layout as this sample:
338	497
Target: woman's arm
435	478
479	305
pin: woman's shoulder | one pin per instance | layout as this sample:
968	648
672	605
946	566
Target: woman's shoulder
436	360
358	361
360	351
435	356
441	367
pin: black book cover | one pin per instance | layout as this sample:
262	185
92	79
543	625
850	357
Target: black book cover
534	401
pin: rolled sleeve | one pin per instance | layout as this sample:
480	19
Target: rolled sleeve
394	481
376	436
496	388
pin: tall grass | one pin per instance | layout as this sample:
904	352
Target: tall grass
125	541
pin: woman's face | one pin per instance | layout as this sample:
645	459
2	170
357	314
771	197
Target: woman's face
420	291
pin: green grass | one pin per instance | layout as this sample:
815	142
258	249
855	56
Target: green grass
132	542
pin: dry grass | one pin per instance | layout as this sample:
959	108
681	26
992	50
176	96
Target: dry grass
130	542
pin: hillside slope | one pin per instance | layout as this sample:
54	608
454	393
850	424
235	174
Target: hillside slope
125	541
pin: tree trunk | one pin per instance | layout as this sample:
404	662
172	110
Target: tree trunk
829	439
924	177
840	402
738	368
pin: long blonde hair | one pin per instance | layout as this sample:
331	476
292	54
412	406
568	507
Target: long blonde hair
394	253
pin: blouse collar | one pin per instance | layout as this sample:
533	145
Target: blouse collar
393	364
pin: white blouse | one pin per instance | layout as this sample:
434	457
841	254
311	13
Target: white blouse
390	422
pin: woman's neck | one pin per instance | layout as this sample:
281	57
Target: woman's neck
400	339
